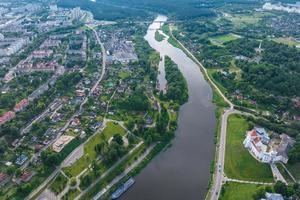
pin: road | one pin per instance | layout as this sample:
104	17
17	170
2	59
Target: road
108	171
121	176
54	174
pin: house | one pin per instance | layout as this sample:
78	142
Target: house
274	196
75	122
7	116
3	178
96	125
26	176
21	159
21	105
80	93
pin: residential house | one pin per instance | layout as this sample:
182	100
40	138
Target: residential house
21	159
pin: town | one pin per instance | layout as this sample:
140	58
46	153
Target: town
76	105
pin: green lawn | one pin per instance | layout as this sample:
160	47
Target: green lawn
58	184
239	163
238	191
295	170
219	40
174	43
89	148
159	37
124	74
287	41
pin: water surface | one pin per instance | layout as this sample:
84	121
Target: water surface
182	171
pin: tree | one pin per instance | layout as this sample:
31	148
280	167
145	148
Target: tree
50	158
259	193
118	139
280	188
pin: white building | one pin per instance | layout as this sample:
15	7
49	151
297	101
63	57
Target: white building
258	142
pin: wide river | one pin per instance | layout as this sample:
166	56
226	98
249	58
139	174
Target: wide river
182	171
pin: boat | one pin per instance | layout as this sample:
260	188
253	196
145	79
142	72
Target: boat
123	188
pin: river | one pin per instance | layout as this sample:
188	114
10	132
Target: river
182	171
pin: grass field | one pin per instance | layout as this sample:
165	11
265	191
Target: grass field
159	37
58	184
238	191
243	20
219	40
295	170
89	148
288	41
239	163
123	74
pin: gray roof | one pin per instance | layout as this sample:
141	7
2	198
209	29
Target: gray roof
274	196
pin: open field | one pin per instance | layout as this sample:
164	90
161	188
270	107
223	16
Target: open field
124	74
89	148
238	191
288	41
242	20
219	40
239	164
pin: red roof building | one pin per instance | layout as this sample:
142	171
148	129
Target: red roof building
6	117
26	176
21	105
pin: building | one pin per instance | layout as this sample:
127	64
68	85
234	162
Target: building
61	142
274	196
21	159
21	105
267	150
9	76
283	148
3	178
26	176
6	117
263	135
42	53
